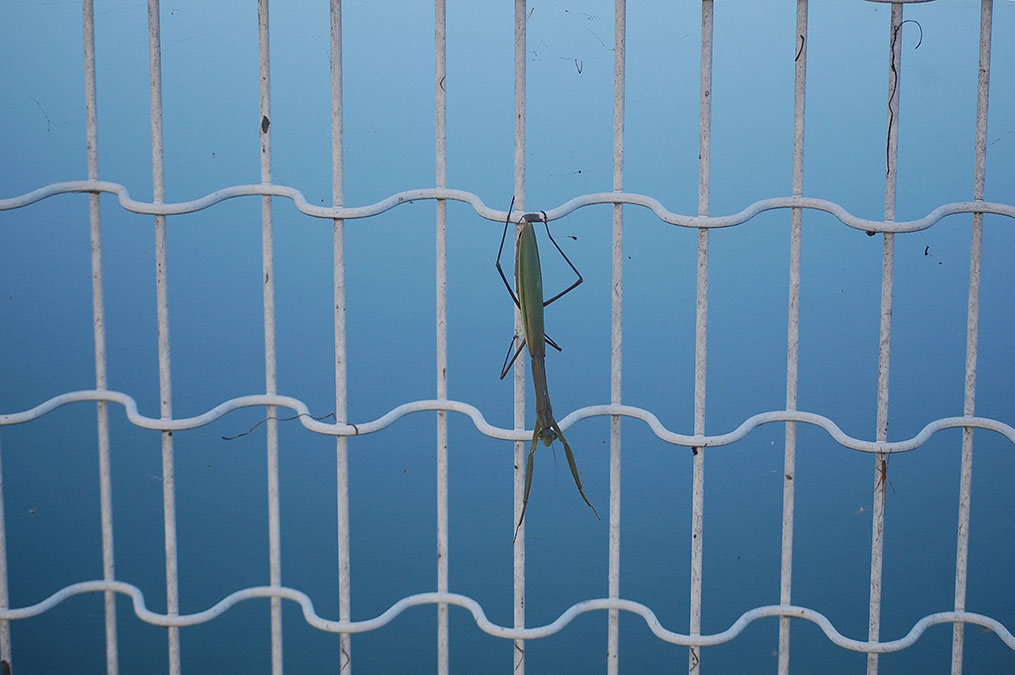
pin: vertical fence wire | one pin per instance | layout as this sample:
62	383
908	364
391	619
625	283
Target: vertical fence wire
341	407
5	626
885	334
270	379
519	369
793	332
440	132
99	332
162	299
701	328
972	332
616	325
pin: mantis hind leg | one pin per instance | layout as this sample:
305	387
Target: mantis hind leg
574	467
569	263
528	484
509	360
500	251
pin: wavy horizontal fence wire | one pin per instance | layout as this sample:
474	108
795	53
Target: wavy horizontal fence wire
345	430
484	211
372	426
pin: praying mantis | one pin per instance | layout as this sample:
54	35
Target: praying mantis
529	300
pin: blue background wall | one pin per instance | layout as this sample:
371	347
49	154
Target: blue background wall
212	141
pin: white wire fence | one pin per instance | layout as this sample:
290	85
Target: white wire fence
703	222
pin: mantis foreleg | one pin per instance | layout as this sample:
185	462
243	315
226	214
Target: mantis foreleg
574	467
528	474
528	481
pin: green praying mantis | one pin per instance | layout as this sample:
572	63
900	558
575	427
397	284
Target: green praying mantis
529	300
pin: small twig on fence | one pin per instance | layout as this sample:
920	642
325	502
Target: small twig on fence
283	419
895	86
346	658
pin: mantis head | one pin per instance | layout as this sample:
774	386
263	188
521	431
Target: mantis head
547	435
